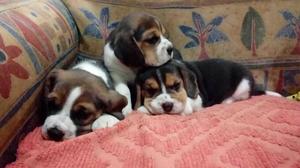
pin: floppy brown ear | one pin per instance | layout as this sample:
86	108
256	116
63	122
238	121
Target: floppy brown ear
48	93
51	81
189	82
139	98
126	48
115	102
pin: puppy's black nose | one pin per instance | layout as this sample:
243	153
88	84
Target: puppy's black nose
170	50
55	134
168	106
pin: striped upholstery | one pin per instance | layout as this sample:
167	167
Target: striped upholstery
35	36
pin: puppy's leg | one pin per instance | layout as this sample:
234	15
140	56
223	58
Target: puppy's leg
143	110
188	109
242	92
124	90
192	105
197	104
104	121
228	100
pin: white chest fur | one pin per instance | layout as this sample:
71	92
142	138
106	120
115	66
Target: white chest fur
93	69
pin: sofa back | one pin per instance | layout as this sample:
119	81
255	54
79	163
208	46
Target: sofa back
264	35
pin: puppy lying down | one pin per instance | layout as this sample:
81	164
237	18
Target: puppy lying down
79	100
179	87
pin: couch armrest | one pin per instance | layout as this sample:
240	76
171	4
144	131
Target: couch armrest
35	36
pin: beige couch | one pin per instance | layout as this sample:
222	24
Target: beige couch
38	35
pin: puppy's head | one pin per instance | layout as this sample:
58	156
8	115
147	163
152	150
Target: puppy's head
75	99
165	89
139	41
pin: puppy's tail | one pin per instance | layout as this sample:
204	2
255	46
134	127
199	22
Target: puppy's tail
259	91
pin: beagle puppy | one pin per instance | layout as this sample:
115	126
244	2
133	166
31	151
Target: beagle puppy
138	41
179	87
80	100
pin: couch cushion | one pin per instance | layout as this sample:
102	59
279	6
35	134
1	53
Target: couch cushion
35	36
228	30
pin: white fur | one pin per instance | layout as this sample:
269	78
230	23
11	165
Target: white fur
143	109
124	90
161	52
270	93
183	108
104	121
156	104
196	104
228	100
190	106
122	74
242	92
92	68
62	120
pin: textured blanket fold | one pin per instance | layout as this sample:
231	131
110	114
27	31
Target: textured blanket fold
263	131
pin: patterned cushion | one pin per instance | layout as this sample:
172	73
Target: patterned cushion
35	36
261	35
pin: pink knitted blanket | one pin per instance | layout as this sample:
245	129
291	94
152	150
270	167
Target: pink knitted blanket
261	132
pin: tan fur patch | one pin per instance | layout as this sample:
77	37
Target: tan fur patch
151	83
170	80
148	49
150	33
150	55
180	95
147	102
153	28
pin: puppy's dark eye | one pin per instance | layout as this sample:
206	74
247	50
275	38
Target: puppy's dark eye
151	91
175	86
81	114
153	40
52	105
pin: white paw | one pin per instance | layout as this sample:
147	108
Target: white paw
127	110
273	94
124	90
228	101
104	121
143	109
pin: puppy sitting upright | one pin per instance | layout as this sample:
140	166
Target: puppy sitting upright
184	87
76	100
137	42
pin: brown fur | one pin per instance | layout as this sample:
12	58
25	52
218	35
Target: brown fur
129	39
95	99
169	80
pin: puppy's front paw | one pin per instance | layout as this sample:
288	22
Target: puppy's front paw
126	110
104	121
143	110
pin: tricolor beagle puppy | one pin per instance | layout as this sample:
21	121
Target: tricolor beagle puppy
76	100
179	87
138	41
